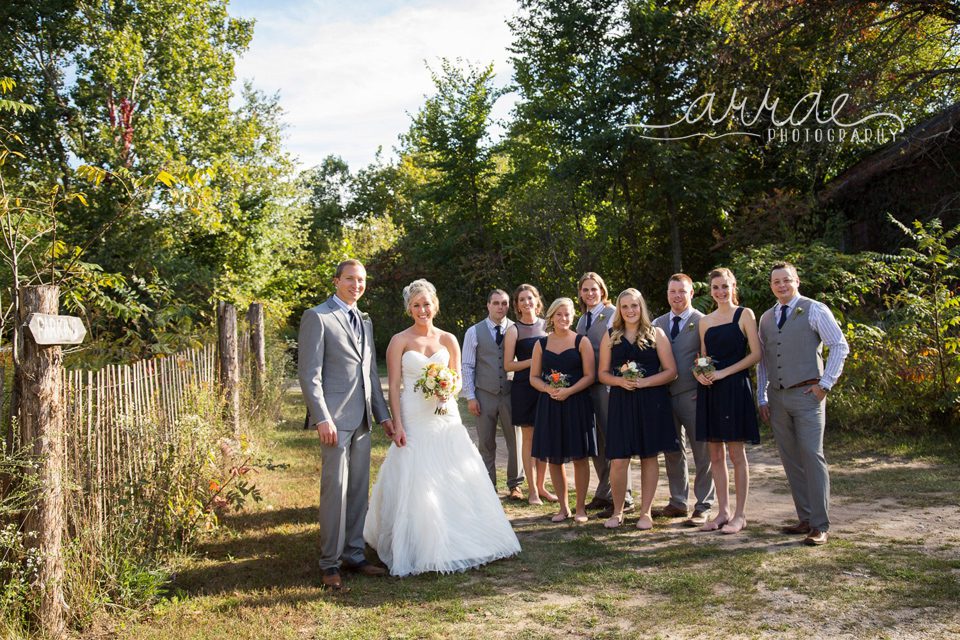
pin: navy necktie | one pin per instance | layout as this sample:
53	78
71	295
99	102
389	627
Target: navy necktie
499	335
675	329
589	320
356	326
783	316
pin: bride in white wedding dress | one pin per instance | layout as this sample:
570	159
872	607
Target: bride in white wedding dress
433	507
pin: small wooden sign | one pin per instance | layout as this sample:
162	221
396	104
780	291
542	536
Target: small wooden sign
47	328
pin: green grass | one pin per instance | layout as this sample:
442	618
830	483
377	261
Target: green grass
258	578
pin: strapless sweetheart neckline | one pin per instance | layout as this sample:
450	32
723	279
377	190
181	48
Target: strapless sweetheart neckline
428	357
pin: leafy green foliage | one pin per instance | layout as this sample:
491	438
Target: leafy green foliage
900	314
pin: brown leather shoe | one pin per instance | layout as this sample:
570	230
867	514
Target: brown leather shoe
515	494
599	503
670	511
366	569
607	512
815	538
331	580
699	518
796	529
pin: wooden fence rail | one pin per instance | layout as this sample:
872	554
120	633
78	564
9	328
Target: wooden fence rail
120	421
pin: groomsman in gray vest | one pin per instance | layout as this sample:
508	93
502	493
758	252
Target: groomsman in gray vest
792	386
337	367
682	326
486	386
596	320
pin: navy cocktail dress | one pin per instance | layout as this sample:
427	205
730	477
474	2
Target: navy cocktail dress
640	422
523	397
725	410
564	431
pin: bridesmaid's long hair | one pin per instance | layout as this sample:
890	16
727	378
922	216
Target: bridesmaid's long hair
646	332
556	304
723	272
537	310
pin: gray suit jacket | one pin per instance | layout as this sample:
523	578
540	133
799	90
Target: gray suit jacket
339	383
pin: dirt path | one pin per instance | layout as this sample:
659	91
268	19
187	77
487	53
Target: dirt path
892	568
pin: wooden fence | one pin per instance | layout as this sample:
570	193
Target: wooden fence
120	420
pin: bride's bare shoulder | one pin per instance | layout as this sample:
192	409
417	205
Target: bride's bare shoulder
449	340
399	342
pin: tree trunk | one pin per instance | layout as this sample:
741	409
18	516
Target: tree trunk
229	363
40	377
258	362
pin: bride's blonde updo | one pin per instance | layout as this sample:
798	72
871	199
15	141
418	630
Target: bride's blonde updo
416	288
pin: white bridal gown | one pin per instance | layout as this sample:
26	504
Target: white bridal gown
433	507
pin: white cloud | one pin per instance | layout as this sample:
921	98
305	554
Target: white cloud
347	80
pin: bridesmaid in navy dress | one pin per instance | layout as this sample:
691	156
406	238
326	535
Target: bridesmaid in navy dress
726	413
640	419
518	344
564	430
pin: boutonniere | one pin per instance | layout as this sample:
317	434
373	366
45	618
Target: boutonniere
365	316
690	326
601	317
799	311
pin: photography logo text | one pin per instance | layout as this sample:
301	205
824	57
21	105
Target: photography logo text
813	118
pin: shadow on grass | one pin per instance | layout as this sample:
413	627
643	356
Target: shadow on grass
274	549
909	483
273	564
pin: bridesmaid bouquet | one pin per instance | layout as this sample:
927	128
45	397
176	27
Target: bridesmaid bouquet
703	365
630	371
557	380
440	382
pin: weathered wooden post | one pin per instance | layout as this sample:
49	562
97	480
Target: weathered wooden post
40	411
229	362
258	361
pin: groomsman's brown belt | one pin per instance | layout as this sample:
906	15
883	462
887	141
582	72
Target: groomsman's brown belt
805	383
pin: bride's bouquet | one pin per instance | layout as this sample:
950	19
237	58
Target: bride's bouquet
440	382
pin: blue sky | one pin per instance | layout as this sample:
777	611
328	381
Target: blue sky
349	73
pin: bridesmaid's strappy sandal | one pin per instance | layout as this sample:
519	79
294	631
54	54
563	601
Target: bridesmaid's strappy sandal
730	528
614	521
715	524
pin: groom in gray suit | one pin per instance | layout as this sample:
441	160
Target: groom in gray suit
338	376
682	326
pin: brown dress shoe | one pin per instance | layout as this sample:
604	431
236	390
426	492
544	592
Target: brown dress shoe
515	494
599	503
670	511
607	512
796	529
366	569
331	580
815	538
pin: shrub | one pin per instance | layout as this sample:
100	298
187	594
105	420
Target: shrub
900	314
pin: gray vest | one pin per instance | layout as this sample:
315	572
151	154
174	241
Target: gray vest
685	349
795	352
489	373
597	330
